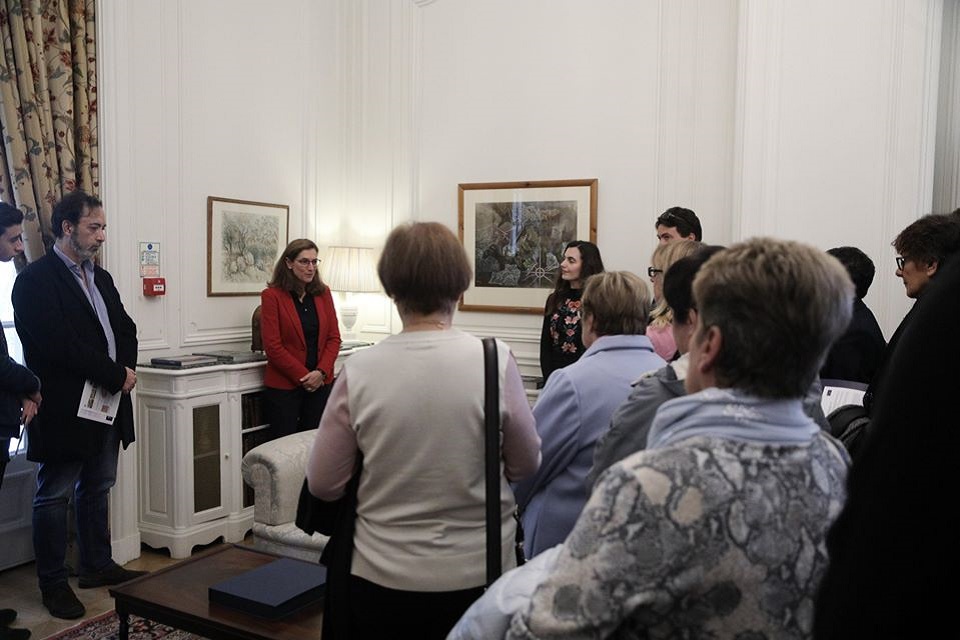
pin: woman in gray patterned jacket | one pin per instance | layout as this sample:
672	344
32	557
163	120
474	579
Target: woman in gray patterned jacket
718	529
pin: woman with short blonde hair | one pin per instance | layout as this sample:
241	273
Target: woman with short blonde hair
575	406
661	318
618	303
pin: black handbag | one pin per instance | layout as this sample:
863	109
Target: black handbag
336	519
314	515
491	410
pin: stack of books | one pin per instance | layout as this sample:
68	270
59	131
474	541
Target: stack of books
347	345
189	361
234	357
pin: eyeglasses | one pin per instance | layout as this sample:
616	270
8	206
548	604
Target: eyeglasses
305	262
900	261
651	272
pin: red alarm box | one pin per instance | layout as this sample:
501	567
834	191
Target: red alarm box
154	286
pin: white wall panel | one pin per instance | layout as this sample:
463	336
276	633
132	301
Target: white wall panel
243	105
815	121
206	98
637	94
836	113
946	191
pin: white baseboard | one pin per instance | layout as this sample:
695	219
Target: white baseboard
126	549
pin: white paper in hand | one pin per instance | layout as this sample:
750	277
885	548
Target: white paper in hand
96	403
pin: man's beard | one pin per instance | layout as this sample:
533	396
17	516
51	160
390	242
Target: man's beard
83	254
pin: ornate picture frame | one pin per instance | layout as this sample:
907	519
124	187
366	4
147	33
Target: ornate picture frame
514	234
244	242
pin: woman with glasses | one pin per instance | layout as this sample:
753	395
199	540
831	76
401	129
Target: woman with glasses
660	329
298	324
561	340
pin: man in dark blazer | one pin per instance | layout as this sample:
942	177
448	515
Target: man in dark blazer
856	355
19	388
74	329
893	553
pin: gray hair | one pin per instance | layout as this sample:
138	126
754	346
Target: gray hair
779	306
618	301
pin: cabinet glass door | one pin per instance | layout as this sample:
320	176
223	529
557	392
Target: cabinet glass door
207	493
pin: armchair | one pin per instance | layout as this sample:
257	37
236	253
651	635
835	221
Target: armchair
276	470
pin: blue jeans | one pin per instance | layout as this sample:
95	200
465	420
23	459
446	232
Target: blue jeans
89	481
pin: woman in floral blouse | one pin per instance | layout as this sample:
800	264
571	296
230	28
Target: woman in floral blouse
561	341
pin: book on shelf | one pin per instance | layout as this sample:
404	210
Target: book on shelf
188	361
250	411
272	590
234	357
347	345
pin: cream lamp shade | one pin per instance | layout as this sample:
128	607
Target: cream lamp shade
350	270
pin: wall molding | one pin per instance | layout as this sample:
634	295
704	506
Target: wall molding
113	72
310	156
930	104
152	345
171	166
907	153
509	334
946	184
216	336
757	119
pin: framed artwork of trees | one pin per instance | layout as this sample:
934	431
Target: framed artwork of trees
244	241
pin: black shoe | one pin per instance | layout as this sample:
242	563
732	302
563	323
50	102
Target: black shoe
114	574
7	616
7	633
62	602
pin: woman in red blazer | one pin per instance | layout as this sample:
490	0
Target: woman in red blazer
298	325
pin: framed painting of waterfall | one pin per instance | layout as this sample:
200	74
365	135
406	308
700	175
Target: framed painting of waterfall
514	234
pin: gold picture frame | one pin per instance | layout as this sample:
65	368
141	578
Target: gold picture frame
514	234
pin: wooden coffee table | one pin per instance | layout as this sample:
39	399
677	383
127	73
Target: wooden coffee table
177	596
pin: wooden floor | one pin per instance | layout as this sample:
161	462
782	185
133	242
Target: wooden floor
18	590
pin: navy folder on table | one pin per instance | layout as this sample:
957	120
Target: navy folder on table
273	590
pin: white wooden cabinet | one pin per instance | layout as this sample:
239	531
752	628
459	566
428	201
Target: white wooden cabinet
193	427
192	424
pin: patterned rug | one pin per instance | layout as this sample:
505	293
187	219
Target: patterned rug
107	627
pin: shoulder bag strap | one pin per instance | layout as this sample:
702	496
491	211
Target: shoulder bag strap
491	409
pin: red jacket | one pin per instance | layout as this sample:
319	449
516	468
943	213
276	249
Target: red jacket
284	343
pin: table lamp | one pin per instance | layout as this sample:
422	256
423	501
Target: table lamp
350	270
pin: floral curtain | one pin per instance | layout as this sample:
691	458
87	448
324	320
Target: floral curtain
48	109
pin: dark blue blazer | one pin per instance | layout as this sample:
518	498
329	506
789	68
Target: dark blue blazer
16	381
858	353
64	344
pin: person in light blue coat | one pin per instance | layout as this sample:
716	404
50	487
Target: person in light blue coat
575	406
